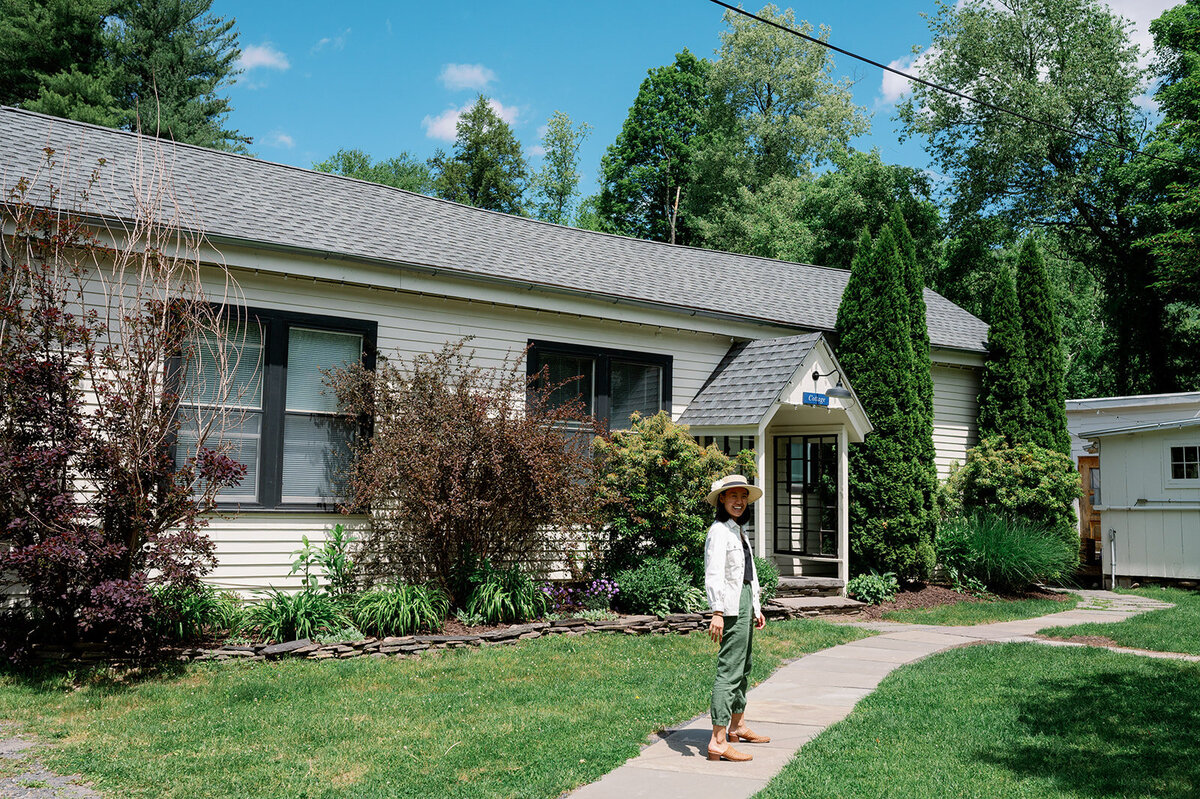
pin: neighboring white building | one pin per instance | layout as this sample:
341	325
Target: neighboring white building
1139	458
332	266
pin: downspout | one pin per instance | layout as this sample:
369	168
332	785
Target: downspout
1112	558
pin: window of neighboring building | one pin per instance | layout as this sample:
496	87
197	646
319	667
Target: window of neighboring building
280	417
1183	468
613	384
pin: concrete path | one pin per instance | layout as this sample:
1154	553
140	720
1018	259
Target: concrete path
805	696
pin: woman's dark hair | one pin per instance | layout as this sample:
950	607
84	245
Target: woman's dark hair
723	515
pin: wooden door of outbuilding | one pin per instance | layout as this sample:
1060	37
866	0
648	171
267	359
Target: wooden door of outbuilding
1091	542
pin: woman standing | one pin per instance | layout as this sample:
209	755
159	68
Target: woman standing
731	582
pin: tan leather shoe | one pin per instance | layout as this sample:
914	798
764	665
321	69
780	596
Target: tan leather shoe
730	754
750	737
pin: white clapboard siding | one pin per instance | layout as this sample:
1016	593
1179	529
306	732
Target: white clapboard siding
955	406
1155	522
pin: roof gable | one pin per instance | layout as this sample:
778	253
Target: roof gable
237	198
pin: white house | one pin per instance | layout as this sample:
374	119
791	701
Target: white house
335	267
1138	458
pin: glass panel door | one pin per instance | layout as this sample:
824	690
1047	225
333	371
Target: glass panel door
806	490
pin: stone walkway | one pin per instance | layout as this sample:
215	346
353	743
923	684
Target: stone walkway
801	699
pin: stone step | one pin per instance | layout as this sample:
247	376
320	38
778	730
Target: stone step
799	607
810	586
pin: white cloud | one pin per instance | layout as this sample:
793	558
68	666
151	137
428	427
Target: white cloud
332	42
893	87
445	125
278	138
1141	13
536	151
263	55
466	76
388	24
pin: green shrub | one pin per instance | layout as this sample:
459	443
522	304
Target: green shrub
186	614
400	609
659	586
332	557
1025	482
1004	555
281	616
653	481
768	577
505	595
874	588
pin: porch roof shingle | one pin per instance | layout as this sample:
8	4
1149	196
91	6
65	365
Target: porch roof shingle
748	381
241	199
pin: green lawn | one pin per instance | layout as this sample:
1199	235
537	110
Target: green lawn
1174	630
529	720
962	613
1012	721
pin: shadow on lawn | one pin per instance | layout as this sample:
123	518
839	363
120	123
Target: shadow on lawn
1126	732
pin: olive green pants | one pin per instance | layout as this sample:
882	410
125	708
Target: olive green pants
733	663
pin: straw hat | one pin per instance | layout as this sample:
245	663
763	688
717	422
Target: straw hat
733	481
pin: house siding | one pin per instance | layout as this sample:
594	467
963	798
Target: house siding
1156	526
955	407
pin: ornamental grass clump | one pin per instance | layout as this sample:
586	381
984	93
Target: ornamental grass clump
1004	555
281	616
192	612
400	609
503	596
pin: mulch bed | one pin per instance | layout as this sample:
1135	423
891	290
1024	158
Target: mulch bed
927	595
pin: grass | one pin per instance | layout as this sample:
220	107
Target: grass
529	720
1176	629
1012	721
963	613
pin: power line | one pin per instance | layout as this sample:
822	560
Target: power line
947	89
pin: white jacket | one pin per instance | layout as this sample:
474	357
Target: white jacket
724	568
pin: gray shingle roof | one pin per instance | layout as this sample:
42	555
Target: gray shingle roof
748	381
238	198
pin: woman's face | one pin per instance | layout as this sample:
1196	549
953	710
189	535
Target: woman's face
735	501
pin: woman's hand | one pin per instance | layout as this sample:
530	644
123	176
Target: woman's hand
716	627
760	621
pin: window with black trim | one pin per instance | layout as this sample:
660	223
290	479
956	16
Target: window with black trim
282	419
613	383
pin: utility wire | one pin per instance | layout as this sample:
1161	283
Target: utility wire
947	89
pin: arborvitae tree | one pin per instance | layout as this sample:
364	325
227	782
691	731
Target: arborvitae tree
487	169
1004	389
887	508
921	415
1043	351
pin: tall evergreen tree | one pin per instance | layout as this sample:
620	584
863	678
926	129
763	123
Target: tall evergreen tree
921	415
173	58
487	169
887	509
44	38
1004	389
1043	351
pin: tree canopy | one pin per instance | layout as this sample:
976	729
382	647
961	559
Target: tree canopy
159	66
556	184
403	171
486	168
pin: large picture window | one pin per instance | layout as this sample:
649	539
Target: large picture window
281	419
613	383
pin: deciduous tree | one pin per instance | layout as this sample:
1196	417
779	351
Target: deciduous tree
402	171
556	184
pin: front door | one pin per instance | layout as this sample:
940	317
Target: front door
806	492
1090	542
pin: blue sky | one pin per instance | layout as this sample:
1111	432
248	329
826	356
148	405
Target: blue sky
391	77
